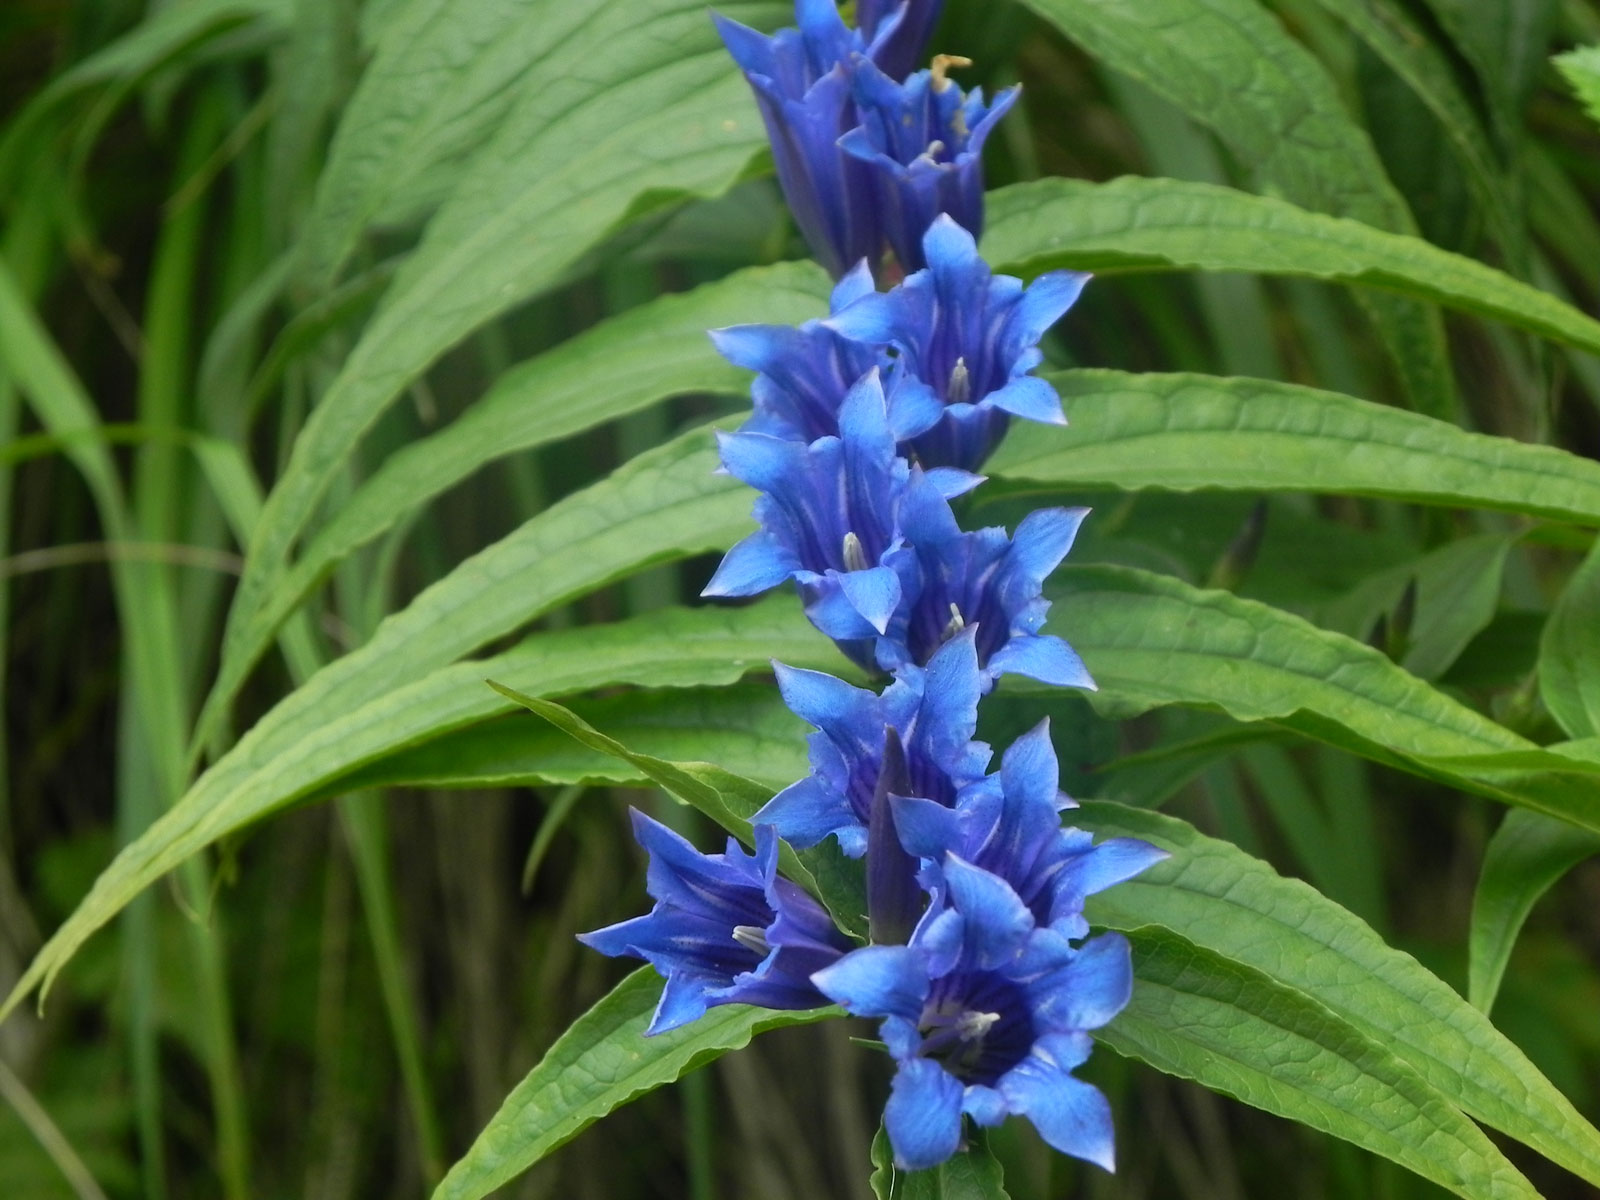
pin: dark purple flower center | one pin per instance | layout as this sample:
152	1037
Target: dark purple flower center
976	1025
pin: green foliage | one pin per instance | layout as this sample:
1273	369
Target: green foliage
396	311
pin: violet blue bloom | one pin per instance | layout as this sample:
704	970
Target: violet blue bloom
982	578
805	373
828	513
801	81
924	142
934	712
971	337
1012	829
726	929
986	1014
902	48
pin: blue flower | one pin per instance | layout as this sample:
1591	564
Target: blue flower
924	141
902	47
969	336
829	513
933	712
805	373
982	578
801	80
1012	829
725	928
986	1014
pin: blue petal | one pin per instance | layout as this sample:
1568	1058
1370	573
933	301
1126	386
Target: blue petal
1030	773
923	1115
914	408
806	812
682	1000
874	593
846	713
877	981
1069	1114
951	482
997	921
952	254
1045	658
751	50
926	828
1091	989
1031	398
985	1105
1115	860
1045	302
619	940
752	347
765	463
874	317
754	565
857	282
1043	538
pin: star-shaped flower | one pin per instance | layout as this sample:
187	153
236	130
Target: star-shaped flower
986	1014
970	337
726	929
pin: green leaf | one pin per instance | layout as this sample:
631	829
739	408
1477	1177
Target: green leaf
1525	858
1231	67
1569	653
646	355
1136	224
1237	907
1506	42
600	1063
658	111
1530	852
384	698
444	76
1582	70
1237	1031
973	1174
1152	640
746	729
1187	432
1410	53
726	798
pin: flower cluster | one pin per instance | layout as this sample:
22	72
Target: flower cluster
867	424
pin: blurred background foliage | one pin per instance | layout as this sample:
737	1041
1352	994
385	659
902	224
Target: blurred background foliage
334	1002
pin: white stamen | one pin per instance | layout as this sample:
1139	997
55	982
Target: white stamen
855	558
973	1025
959	390
955	625
751	937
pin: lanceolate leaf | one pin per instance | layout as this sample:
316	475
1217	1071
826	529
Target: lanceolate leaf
1527	855
656	112
1569	653
1238	907
1230	65
599	1064
1184	432
1135	224
358	709
627	363
1151	640
721	795
746	729
1410	53
1235	1030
